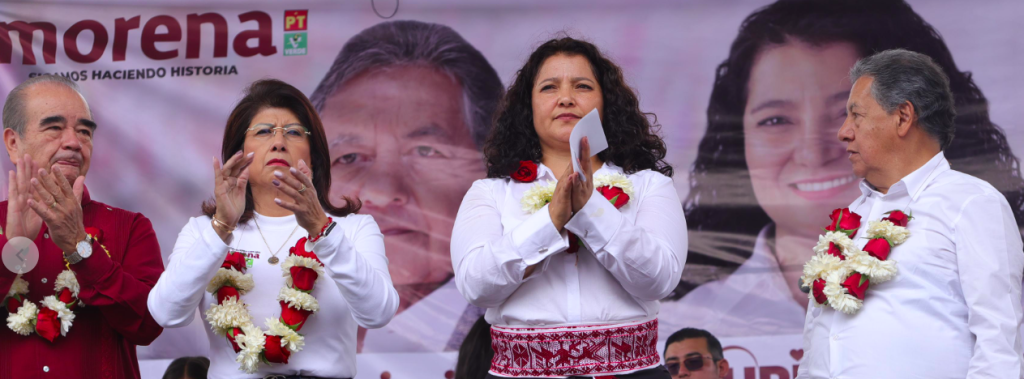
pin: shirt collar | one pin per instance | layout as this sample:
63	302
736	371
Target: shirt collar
915	181
545	173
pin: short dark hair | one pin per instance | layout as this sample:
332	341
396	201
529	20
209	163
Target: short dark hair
188	367
633	141
714	346
14	116
408	42
273	93
900	76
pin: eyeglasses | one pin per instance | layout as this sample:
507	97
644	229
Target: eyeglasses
692	363
291	132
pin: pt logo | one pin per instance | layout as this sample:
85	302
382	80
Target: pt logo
295	21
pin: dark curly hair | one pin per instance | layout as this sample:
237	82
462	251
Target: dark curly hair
722	214
633	142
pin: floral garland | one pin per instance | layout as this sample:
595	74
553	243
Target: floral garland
230	316
55	316
839	273
615	187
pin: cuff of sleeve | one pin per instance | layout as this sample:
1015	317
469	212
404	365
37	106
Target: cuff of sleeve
596	222
212	239
93	269
326	246
536	238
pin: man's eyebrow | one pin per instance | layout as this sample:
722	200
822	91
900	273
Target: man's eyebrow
429	130
53	120
88	123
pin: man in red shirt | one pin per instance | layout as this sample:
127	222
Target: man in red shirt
113	254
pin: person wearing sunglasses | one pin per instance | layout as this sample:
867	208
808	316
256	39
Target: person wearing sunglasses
695	354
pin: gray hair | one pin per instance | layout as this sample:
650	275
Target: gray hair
407	42
14	108
901	76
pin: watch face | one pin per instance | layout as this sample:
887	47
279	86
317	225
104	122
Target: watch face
85	249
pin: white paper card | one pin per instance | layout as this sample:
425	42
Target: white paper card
589	126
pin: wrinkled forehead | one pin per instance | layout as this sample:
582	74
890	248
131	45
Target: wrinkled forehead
48	99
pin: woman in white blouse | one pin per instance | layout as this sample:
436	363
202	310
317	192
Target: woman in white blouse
582	262
282	277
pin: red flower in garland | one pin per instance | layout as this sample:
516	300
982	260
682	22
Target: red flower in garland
274	352
615	195
48	324
527	172
303	278
225	292
834	250
878	248
300	250
819	291
856	284
13	304
234	260
898	218
292	317
231	338
96	233
844	221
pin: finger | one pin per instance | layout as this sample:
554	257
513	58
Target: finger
233	159
287	205
237	166
12	185
288	190
217	175
43	211
46	179
233	167
79	188
243	178
303	178
62	183
290	180
40	194
22	176
306	173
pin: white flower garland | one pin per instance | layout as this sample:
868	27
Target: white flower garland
233	313
24	320
835	270
539	195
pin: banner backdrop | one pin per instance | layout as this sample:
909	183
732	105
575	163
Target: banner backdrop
749	115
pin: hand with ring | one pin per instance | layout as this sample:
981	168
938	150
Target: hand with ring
304	201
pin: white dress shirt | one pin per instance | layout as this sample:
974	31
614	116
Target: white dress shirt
752	301
954	308
356	290
634	255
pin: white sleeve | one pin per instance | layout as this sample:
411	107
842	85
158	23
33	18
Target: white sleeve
489	263
197	255
990	259
647	258
359	267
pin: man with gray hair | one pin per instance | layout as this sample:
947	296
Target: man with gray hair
81	309
407	106
954	307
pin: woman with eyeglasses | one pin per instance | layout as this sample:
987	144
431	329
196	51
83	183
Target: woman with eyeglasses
282	277
580	257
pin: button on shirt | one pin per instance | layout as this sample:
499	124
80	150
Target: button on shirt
954	308
632	257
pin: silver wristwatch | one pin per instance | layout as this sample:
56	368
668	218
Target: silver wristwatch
82	250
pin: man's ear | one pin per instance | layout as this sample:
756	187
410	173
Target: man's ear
907	117
723	369
11	141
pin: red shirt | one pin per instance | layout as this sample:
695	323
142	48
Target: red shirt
101	342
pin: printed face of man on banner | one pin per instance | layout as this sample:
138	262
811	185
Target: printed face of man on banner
405	125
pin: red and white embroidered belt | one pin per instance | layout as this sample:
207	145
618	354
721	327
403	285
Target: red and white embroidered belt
574	350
